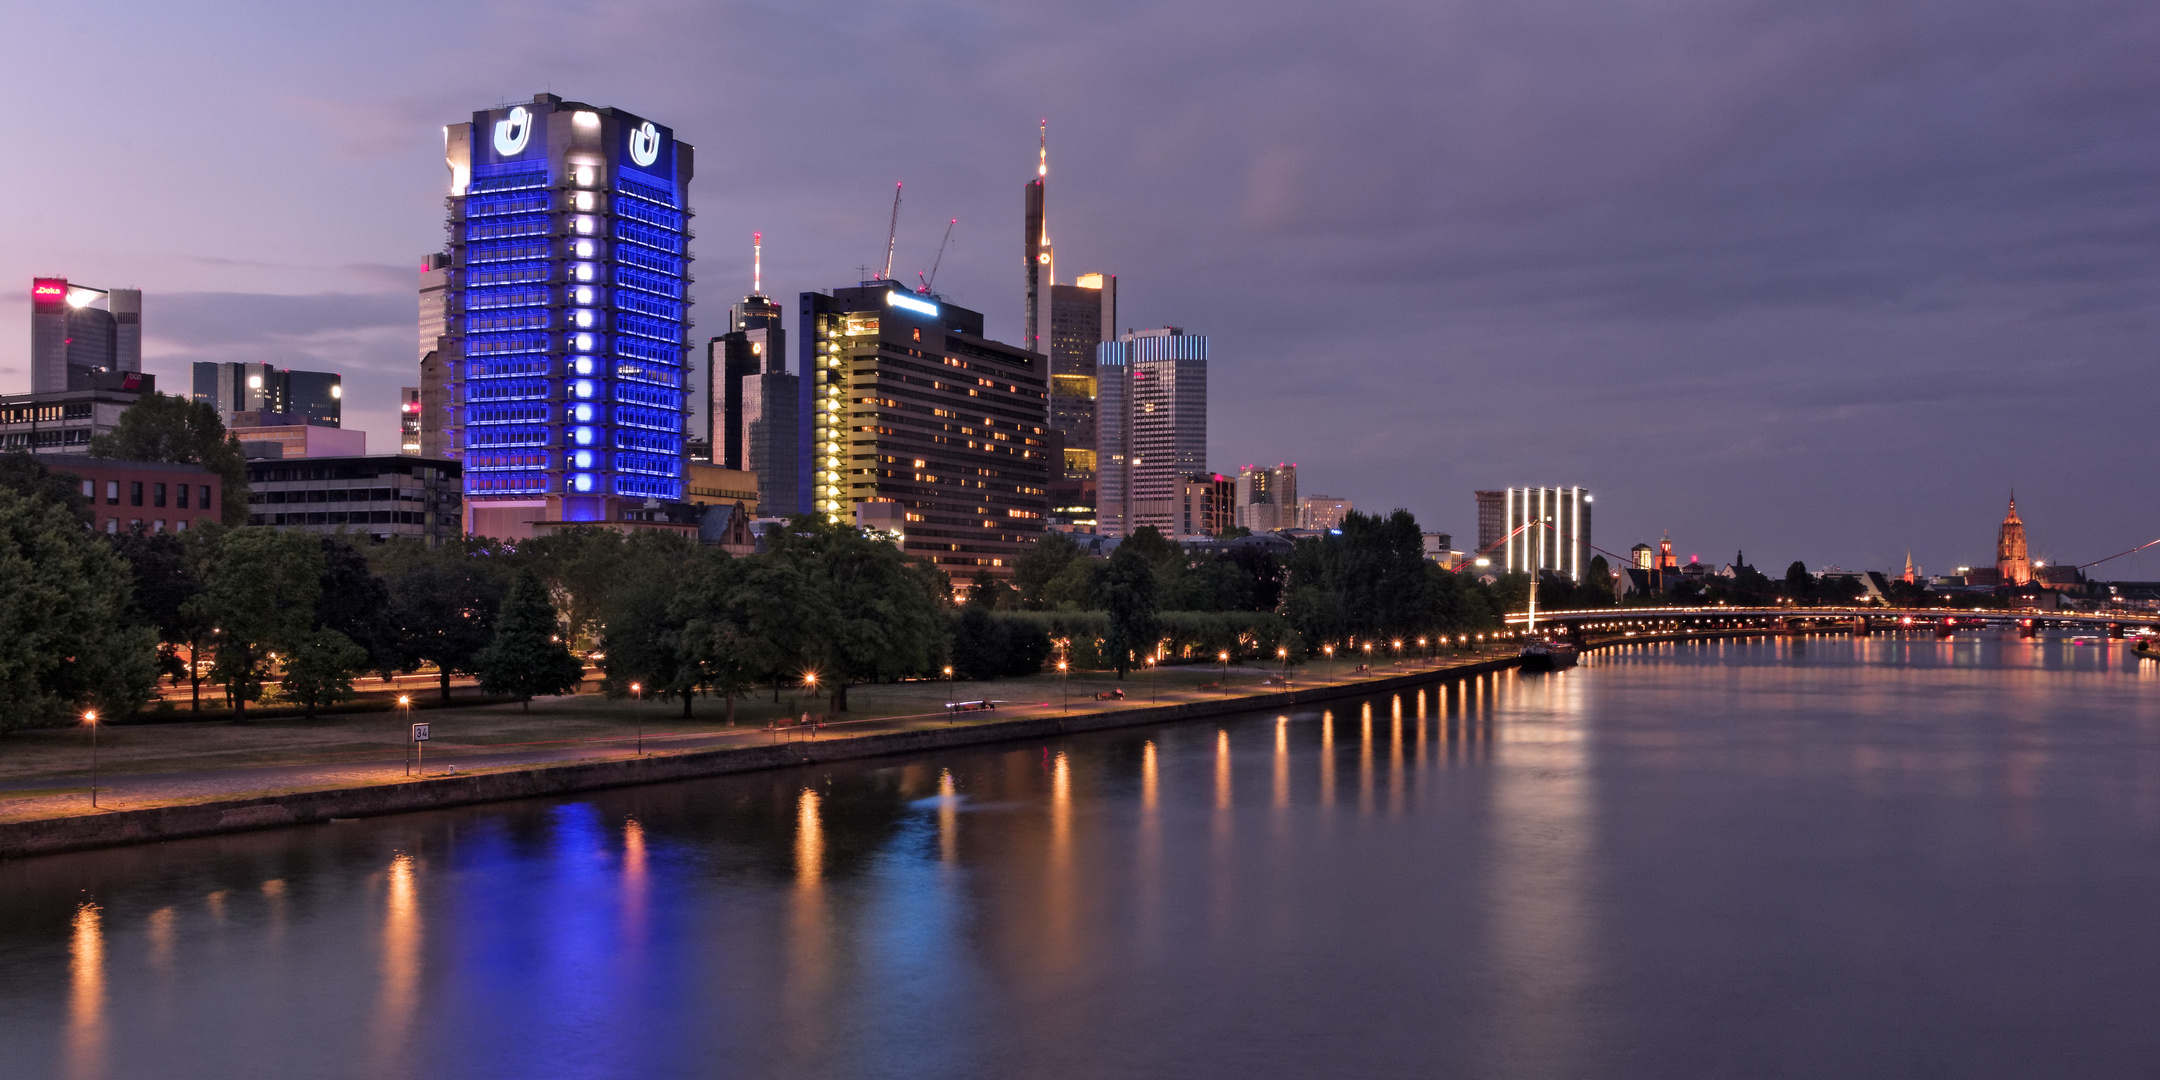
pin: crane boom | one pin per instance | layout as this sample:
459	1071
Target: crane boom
892	233
931	281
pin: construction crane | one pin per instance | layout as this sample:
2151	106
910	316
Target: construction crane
892	233
927	282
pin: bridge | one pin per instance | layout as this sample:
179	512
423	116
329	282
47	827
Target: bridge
1943	622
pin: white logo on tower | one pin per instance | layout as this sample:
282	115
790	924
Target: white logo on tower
645	144
512	131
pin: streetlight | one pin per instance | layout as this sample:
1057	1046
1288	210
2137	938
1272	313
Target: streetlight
1065	684
404	704
1154	688
1225	658
1283	654
1330	650
948	673
90	718
637	694
1428	652
1398	649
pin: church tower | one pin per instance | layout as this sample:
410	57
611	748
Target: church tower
2010	557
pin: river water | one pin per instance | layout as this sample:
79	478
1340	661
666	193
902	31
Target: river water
1815	858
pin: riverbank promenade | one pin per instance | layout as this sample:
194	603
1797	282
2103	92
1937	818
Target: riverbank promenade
45	775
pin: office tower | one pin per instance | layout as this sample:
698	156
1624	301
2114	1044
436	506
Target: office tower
1151	426
1204	505
1267	499
904	401
260	393
1538	528
1322	512
434	301
76	330
442	429
568	313
409	420
1065	323
755	345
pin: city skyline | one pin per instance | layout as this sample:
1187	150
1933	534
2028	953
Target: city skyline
1763	322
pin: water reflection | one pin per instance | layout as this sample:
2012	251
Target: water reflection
84	1052
400	966
1657	864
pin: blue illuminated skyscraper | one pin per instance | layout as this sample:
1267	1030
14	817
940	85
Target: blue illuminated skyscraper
567	312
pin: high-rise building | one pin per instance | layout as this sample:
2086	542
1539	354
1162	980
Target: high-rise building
1267	499
568	312
1491	518
303	397
442	409
905	401
409	420
1151	426
76	330
64	421
1539	529
1065	323
755	344
1322	512
772	439
2011	558
1204	504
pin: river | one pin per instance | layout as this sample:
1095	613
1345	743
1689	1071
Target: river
1763	858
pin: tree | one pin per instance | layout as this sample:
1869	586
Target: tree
258	597
64	614
528	657
165	427
581	566
166	569
641	627
1039	565
442	602
1129	596
1596	589
990	593
1799	584
356	604
884	616
27	476
319	669
712	642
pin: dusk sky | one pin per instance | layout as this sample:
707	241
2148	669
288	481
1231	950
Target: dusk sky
1819	280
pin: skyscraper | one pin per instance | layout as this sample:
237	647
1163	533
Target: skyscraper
441	415
1542	528
409	420
1151	427
568	313
307	397
755	345
904	401
1065	323
2011	558
76	330
1267	499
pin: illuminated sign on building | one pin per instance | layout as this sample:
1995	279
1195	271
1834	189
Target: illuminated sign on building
48	290
902	300
645	144
512	132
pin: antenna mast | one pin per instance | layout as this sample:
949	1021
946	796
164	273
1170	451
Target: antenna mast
940	260
757	264
892	233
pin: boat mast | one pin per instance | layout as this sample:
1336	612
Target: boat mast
1530	625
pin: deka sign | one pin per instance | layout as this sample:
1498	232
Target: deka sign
644	144
512	132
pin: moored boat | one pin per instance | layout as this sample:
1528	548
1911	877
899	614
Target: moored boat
1541	654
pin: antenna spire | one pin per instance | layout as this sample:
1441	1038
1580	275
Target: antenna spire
892	233
1042	154
757	264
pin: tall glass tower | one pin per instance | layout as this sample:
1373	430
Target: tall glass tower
567	312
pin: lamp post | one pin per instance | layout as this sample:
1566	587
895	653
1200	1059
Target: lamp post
1224	656
1398	650
637	697
1428	651
948	673
810	680
1153	687
404	704
1330	651
90	718
1283	654
1065	683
